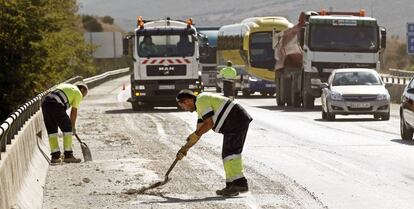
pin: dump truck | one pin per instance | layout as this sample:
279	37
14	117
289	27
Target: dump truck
165	60
320	42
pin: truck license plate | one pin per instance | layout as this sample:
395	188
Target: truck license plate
360	105
165	87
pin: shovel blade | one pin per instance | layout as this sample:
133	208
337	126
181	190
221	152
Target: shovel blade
87	155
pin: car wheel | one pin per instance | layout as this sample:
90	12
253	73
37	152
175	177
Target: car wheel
406	132
218	89
377	116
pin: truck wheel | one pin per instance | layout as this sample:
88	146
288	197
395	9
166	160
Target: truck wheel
136	106
308	101
295	99
324	115
330	116
246	92
218	89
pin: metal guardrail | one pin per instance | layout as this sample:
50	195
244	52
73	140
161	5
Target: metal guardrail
395	79
15	121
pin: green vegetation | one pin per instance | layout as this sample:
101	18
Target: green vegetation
395	55
108	20
40	47
91	24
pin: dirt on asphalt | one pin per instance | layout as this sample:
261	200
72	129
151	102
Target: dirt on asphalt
132	150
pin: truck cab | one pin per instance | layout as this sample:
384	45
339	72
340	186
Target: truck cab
165	60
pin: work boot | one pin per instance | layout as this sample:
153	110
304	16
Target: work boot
241	185
230	191
69	158
56	158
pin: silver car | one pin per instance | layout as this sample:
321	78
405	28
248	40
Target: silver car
355	91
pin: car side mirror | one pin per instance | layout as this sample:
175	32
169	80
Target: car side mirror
410	90
324	85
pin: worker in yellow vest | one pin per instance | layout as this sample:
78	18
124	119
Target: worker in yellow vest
228	118
229	74
54	108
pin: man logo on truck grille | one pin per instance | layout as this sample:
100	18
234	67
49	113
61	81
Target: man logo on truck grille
166	69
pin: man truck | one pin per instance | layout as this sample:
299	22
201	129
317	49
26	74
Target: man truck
165	60
323	41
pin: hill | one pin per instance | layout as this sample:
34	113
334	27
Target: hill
393	16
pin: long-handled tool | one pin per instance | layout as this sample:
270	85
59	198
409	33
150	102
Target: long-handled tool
87	155
160	183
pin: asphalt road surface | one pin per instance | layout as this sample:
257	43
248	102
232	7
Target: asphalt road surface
292	159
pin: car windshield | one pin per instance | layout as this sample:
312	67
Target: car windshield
355	78
261	51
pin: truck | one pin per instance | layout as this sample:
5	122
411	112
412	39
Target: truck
208	49
165	59
320	42
248	45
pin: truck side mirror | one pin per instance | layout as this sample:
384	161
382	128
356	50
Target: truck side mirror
323	85
383	37
301	36
125	43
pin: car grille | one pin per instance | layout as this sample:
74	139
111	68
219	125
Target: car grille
359	98
360	109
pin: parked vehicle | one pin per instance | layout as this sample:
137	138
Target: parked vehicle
355	91
248	45
407	112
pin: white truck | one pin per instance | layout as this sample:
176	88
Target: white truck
165	60
307	53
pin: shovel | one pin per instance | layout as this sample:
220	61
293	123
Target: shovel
160	183
87	156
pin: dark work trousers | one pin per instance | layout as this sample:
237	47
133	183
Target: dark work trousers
54	115
235	130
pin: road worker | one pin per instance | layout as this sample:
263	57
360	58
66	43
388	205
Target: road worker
228	118
228	74
54	114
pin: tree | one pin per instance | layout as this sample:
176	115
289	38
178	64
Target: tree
108	20
40	47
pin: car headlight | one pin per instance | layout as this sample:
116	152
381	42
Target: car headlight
383	97
336	96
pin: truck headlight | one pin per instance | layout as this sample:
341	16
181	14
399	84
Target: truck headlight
192	86
382	97
336	96
140	87
252	79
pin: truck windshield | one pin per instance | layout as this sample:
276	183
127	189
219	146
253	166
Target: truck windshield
165	46
343	38
261	51
209	48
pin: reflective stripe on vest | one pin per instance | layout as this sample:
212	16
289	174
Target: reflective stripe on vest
60	97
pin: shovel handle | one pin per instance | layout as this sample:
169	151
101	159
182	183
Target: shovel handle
77	137
171	167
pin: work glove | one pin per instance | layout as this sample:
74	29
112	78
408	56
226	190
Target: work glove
191	140
73	131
